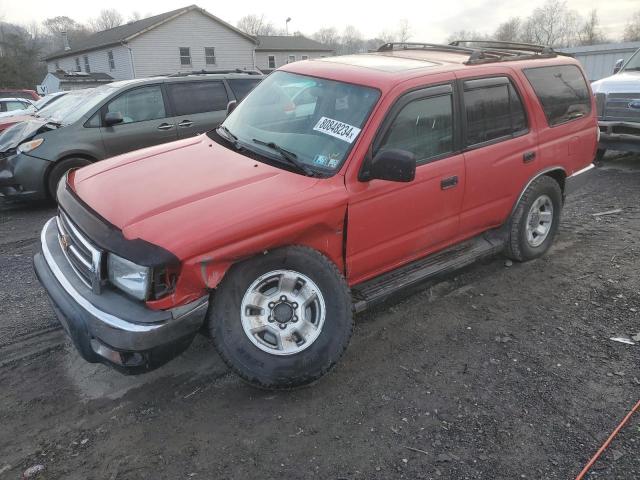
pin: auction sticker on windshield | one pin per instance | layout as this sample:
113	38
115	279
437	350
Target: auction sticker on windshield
337	129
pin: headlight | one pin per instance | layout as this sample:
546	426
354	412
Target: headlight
28	146
128	276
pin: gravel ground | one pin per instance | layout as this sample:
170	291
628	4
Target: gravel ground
500	372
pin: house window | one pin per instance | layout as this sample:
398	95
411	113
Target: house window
112	62
210	55
292	58
305	57
272	61
86	64
78	69
185	56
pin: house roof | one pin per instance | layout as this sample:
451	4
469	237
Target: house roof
289	43
126	32
82	76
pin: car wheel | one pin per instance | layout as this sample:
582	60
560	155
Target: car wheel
59	170
282	320
600	153
534	223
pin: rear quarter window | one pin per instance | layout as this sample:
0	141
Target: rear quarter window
242	86
562	91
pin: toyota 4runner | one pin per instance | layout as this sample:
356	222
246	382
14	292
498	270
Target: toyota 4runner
334	184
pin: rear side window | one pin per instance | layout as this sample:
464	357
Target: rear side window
242	86
562	91
190	98
423	127
493	110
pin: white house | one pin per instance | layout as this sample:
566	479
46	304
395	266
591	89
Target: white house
182	40
273	51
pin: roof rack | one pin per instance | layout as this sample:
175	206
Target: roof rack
214	72
481	51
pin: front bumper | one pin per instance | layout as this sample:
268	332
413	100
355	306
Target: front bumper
23	176
623	136
578	179
110	327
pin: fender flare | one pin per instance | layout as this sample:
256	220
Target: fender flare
546	171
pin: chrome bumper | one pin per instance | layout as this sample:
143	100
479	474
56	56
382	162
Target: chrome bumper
101	324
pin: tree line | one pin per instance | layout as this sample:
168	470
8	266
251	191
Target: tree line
23	46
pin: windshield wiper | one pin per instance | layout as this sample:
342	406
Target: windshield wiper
229	137
290	157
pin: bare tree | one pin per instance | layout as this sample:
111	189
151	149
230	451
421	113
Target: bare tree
56	25
351	40
551	24
467	35
404	31
327	36
632	30
134	17
108	18
387	36
590	32
256	25
508	31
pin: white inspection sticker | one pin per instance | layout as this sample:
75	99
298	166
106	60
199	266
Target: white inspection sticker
337	129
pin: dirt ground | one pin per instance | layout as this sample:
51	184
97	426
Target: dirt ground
502	372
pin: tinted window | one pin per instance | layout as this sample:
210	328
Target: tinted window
424	127
13	105
140	104
190	98
562	91
242	86
492	111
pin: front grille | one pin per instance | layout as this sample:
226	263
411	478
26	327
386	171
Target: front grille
617	108
84	258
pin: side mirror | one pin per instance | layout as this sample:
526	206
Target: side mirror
113	118
393	165
618	65
231	106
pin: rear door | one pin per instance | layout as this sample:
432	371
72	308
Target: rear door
146	121
500	148
198	106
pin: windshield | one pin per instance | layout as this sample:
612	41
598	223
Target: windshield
44	101
314	119
74	105
633	63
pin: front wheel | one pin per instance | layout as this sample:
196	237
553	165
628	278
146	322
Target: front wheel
535	220
59	170
282	320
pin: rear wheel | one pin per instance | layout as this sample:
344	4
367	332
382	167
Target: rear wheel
600	155
282	320
534	223
59	170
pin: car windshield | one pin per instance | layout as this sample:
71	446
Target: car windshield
633	63
74	105
44	101
312	120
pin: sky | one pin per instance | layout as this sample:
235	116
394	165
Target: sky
430	21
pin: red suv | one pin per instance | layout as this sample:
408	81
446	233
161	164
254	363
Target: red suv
334	184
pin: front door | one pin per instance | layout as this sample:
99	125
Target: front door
391	223
145	121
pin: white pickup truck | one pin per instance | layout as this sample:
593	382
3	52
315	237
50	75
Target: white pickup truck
618	105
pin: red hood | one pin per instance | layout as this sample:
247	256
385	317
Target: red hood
186	195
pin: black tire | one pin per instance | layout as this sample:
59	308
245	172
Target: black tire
600	155
268	370
518	247
59	170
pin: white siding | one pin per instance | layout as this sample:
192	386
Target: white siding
156	51
282	58
98	62
51	84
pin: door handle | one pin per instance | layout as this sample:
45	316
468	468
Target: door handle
165	126
528	157
185	123
449	182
